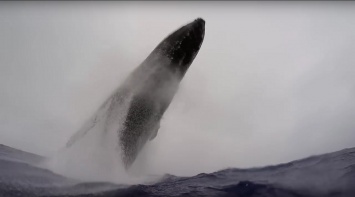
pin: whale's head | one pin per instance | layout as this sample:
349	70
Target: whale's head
182	46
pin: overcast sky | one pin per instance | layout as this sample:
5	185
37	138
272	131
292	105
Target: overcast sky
273	81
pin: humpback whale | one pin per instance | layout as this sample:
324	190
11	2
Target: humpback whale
135	109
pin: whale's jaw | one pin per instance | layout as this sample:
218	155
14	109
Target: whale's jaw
182	46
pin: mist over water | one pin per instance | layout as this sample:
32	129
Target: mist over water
272	83
90	160
98	144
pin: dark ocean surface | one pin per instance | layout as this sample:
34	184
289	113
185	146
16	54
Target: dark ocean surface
331	174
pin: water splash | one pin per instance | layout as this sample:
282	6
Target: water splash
93	153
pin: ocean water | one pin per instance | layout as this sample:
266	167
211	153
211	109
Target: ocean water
331	174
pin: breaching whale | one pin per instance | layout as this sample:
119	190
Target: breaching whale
134	111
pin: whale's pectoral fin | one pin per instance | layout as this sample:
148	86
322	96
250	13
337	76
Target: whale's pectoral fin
155	131
83	131
90	123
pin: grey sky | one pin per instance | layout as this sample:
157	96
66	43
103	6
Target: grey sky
273	81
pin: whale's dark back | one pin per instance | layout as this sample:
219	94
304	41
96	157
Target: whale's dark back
154	84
